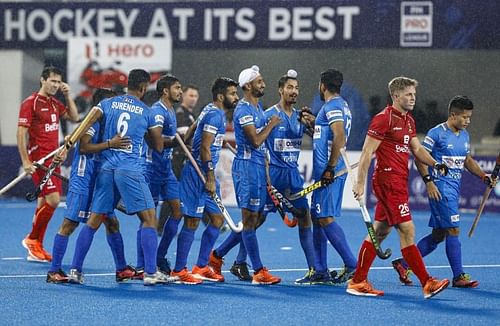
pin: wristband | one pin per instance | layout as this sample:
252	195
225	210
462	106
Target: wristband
207	166
427	178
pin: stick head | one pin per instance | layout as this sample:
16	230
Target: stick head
31	196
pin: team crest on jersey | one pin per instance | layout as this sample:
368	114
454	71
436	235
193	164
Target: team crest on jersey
317	132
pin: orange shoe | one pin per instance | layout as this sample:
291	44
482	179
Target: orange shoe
264	277
362	288
206	274
34	250
216	263
433	286
48	257
185	277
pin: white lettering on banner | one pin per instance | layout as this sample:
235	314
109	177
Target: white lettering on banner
183	14
298	25
219	24
159	25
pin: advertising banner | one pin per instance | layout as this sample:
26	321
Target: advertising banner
471	191
105	62
257	24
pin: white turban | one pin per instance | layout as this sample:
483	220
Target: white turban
247	75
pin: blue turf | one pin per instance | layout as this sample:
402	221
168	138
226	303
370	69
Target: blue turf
26	298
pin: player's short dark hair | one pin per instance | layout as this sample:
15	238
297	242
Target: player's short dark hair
460	103
138	77
185	88
165	81
220	86
102	93
283	79
50	70
332	79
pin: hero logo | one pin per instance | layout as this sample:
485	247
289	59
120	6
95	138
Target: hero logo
454	162
51	126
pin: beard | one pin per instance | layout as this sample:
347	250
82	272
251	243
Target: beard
257	93
321	95
229	105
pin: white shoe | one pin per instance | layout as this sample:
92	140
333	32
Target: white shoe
75	277
157	277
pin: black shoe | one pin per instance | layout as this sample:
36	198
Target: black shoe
241	271
57	277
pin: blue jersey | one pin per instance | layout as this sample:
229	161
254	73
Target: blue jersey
162	162
335	110
244	115
447	147
83	167
211	120
127	115
285	139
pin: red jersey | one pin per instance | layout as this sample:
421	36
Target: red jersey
395	130
41	114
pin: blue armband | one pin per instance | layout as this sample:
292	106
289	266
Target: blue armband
207	166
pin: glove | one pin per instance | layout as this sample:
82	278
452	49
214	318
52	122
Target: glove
487	179
328	175
441	168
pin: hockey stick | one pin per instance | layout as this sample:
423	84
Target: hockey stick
318	184
278	199
236	228
23	174
366	215
486	194
70	141
44	168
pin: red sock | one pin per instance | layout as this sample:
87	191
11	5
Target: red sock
42	218
366	257
414	259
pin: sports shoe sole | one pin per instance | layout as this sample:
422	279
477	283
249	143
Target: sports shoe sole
430	295
363	294
203	278
265	283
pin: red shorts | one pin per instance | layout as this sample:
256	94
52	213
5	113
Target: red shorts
53	185
392	205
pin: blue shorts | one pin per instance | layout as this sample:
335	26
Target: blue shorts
327	201
195	200
130	186
444	213
249	181
77	207
165	188
286	180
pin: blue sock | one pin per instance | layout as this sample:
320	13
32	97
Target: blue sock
58	251
426	245
208	239
336	236
169	232
115	242
454	254
242	254
306	242
249	238
149	243
83	243
320	248
140	253
184	242
231	241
